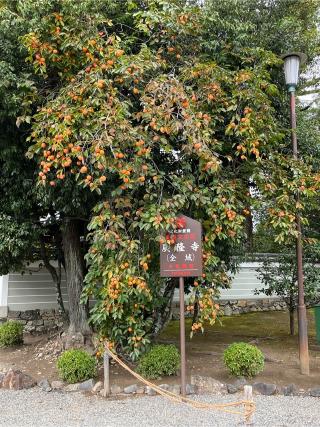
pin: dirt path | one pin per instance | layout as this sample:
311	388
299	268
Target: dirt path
268	330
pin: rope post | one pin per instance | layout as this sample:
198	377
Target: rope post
106	373
248	405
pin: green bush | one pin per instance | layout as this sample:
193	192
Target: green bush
76	366
160	360
243	359
11	333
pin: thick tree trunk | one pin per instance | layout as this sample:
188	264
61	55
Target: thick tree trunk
291	312
74	264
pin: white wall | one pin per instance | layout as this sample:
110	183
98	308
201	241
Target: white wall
35	289
4	296
244	283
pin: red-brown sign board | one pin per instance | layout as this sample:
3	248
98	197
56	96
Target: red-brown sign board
182	256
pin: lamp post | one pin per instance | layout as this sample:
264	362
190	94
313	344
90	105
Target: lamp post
292	63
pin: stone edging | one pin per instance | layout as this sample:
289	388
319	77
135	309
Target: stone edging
15	379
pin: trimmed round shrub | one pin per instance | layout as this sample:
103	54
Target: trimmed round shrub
11	333
76	366
161	360
243	359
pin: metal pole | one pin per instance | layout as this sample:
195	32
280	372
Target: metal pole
182	337
302	312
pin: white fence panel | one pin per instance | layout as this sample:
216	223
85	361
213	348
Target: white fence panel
35	289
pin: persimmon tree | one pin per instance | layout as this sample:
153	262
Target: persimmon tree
151	121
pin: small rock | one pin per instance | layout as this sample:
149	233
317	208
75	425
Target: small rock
232	388
16	380
140	390
57	385
72	387
175	388
98	387
131	389
290	390
315	392
265	388
1	378
45	385
240	383
208	384
191	389
149	391
86	385
115	389
164	386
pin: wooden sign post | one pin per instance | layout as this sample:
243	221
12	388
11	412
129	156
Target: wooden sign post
181	256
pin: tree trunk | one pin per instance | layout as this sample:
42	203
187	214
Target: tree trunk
56	276
249	229
74	264
163	314
195	311
291	312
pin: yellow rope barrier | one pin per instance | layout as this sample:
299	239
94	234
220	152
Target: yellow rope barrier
249	405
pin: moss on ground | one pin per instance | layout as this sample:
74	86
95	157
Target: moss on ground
271	324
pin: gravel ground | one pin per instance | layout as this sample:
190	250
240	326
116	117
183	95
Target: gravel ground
39	409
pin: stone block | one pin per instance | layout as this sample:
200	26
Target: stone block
131	389
29	328
45	385
30	314
240	383
251	303
231	389
242	303
315	392
87	385
164	386
191	389
72	387
16	380
57	385
290	390
208	384
38	322
150	391
265	388
48	323
14	314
